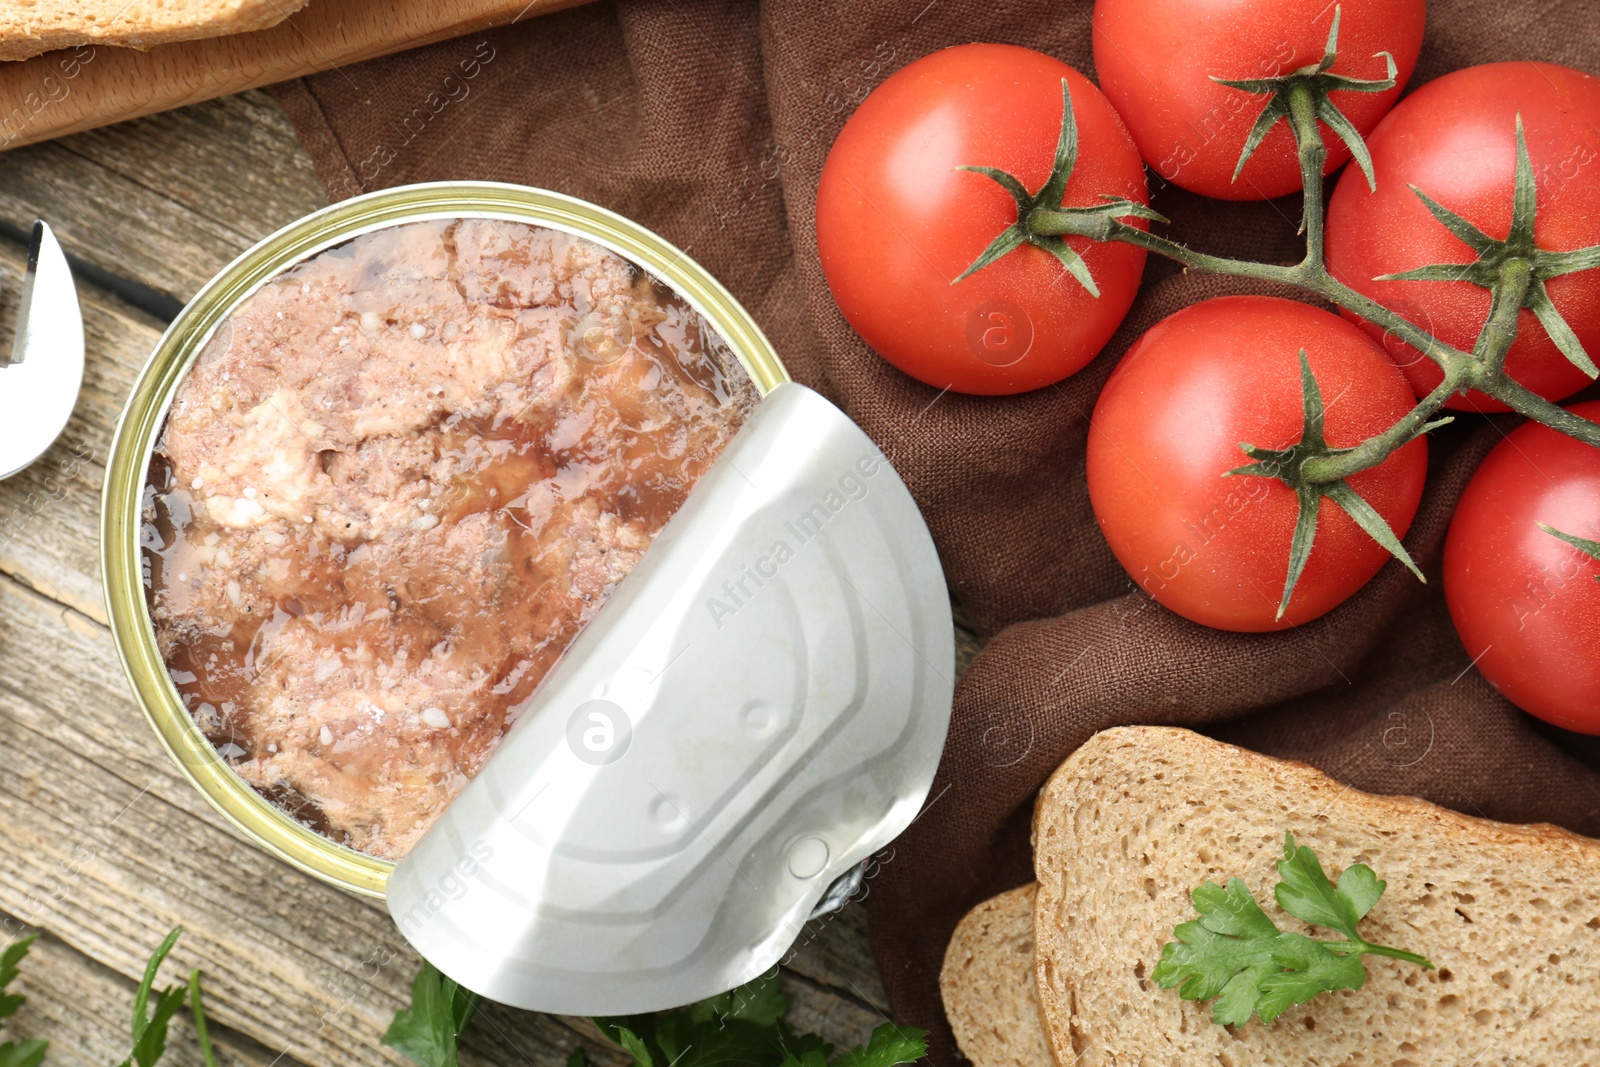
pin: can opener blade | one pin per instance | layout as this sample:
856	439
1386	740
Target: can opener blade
758	708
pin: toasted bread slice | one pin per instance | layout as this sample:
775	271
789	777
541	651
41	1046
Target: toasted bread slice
987	984
1138	817
30	28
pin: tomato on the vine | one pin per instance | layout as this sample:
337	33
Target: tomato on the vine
1526	602
1168	427
1455	140
897	222
1156	60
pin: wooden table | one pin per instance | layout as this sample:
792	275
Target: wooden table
103	845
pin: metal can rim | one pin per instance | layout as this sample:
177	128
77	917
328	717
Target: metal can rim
145	413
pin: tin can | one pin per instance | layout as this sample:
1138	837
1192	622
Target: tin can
145	413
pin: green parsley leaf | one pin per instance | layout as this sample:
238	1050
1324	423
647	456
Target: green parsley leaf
741	1026
813	1058
1235	955
1241	995
1309	967
1224	954
635	1047
804	1047
13	1053
745	1028
23	1053
17	1053
760	1002
1308	895
9	960
1232	910
428	1032
150	1021
888	1046
197	1009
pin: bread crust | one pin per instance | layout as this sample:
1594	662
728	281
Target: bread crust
1139	816
28	30
987	984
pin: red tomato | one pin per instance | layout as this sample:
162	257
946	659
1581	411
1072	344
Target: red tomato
1156	59
1169	423
897	223
1526	604
1455	139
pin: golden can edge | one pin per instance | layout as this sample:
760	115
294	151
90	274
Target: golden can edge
145	413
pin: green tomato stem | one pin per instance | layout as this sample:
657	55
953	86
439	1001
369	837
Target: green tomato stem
1483	368
1309	275
1484	364
1500	329
1319	281
1324	470
1313	157
1313	269
1043	222
1531	405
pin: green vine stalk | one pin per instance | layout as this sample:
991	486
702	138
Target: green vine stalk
1514	271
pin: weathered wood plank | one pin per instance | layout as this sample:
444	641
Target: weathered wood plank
295	968
68	994
108	865
108	851
168	200
82	733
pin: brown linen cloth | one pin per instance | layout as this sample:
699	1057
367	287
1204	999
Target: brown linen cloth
708	121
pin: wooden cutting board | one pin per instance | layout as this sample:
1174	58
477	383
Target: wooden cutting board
79	88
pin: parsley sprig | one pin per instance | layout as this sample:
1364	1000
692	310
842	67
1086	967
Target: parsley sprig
428	1032
16	1053
151	1018
1237	955
746	1027
743	1027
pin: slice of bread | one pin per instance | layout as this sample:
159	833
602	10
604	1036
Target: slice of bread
36	26
987	984
1139	816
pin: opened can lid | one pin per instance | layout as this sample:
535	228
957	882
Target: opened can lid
759	707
